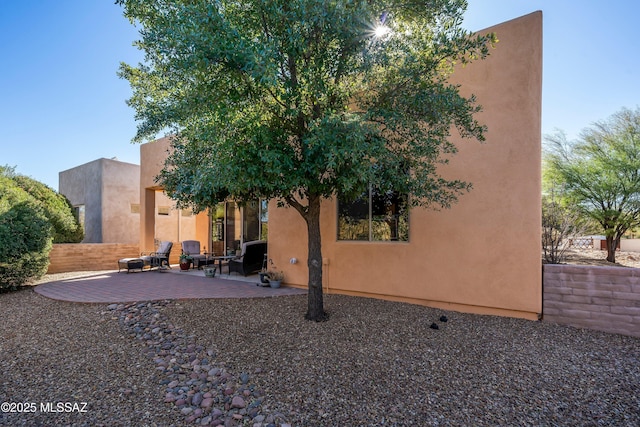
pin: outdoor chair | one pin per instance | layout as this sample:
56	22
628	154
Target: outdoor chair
191	248
159	258
251	258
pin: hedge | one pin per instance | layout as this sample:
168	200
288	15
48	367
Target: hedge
25	236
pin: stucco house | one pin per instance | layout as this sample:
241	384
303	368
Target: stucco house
105	194
480	256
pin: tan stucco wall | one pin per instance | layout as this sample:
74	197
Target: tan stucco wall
483	254
107	188
82	185
175	227
120	191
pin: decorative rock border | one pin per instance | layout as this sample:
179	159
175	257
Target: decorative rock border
204	391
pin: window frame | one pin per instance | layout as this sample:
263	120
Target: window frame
371	220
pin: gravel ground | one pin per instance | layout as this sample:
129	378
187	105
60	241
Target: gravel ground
373	363
59	352
380	363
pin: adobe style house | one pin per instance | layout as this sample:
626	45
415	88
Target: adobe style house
480	256
105	195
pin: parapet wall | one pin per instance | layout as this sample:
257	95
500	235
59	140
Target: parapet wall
601	298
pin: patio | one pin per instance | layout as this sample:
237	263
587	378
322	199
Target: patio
114	287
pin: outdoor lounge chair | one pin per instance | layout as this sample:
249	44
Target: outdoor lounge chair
159	258
192	249
251	258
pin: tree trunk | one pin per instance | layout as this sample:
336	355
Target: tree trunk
612	244
315	306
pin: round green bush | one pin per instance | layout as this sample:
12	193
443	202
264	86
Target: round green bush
25	236
66	228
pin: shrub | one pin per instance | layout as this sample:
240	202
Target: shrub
25	236
66	228
560	225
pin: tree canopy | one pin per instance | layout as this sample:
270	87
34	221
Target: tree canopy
302	100
599	173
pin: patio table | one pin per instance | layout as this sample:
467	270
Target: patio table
222	258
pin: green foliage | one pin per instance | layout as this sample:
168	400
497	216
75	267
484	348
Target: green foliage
599	173
300	100
25	236
282	98
66	228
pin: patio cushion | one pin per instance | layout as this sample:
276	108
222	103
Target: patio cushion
251	259
160	258
192	248
130	264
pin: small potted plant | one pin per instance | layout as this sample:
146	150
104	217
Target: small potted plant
185	262
209	271
275	278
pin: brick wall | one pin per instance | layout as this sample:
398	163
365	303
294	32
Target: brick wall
601	298
89	256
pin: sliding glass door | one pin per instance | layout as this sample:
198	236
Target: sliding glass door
234	224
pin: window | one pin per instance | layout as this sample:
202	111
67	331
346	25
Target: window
374	216
163	210
78	211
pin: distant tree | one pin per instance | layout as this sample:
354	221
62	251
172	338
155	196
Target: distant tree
25	236
560	225
66	227
303	100
599	173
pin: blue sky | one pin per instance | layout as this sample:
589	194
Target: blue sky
63	105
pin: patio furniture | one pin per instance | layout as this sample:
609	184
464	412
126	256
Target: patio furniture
130	264
191	248
251	258
159	258
222	259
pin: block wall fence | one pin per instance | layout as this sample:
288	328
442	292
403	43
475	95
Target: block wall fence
593	297
66	257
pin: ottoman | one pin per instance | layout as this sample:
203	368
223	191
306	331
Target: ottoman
130	264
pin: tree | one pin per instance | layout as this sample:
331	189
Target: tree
560	224
304	100
600	173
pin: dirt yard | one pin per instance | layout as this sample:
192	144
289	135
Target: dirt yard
599	257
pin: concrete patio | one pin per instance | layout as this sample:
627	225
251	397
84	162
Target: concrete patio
114	287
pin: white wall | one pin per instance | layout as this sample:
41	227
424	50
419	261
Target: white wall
630	245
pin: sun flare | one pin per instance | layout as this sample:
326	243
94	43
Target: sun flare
381	31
